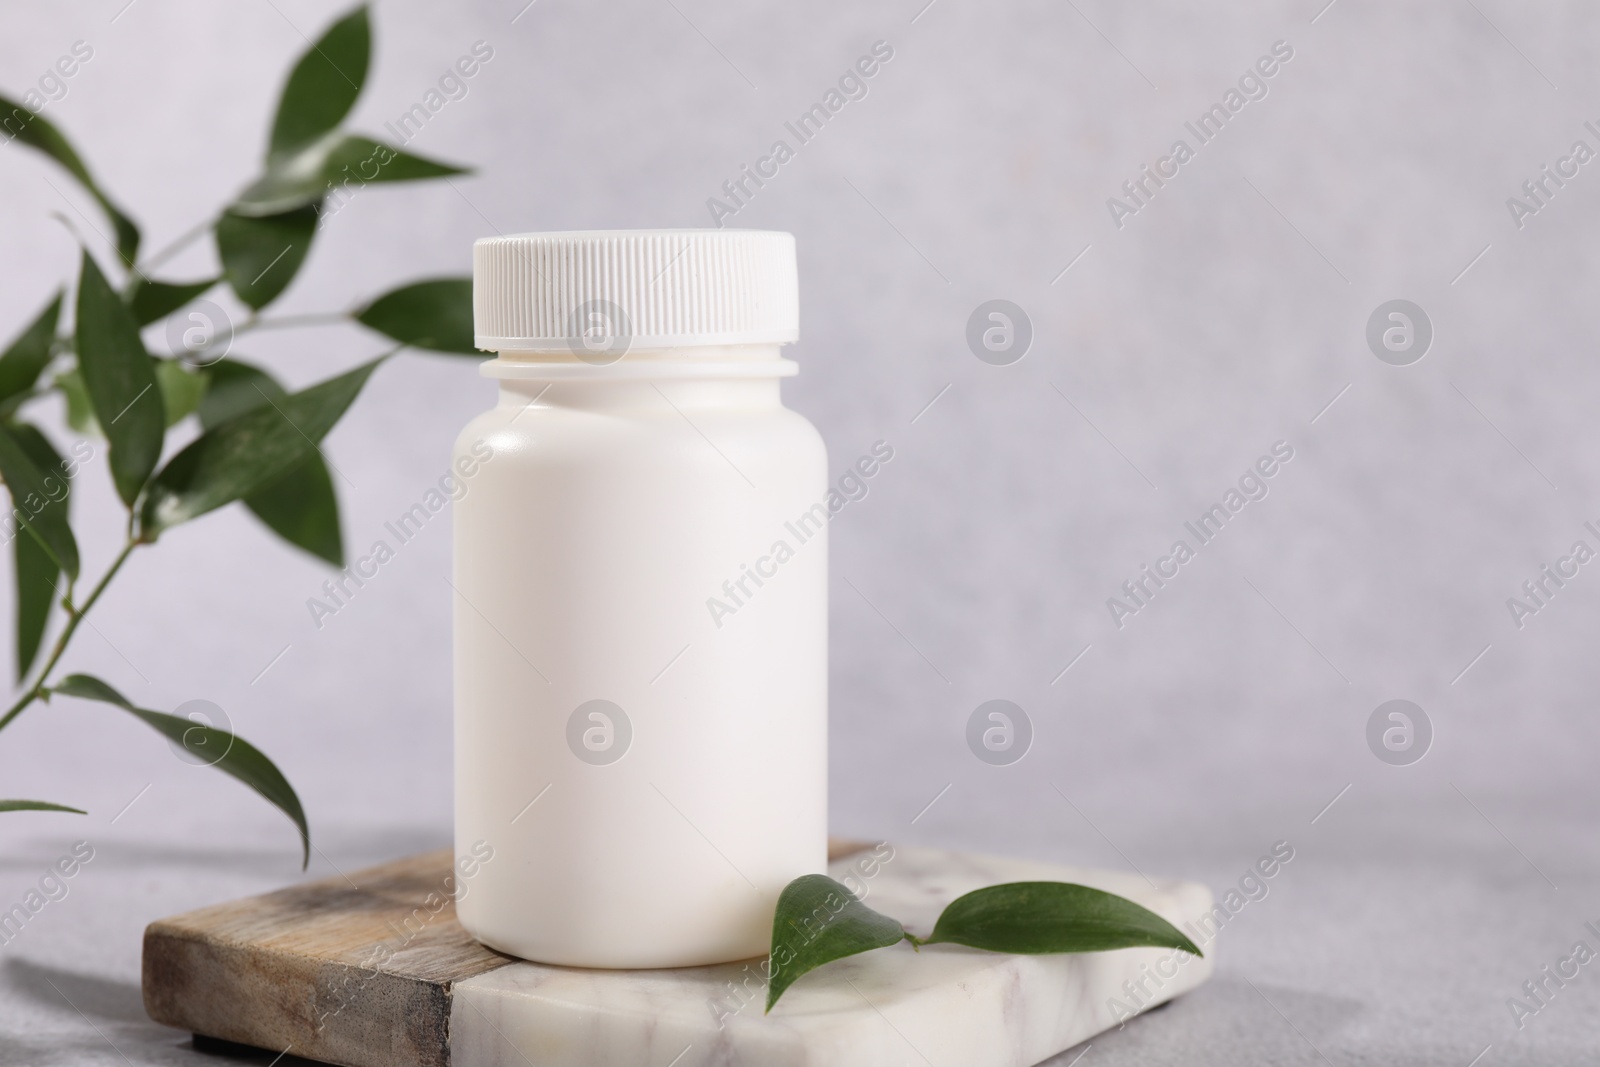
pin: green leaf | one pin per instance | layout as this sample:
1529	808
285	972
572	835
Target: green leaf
36	595
260	256
22	124
121	381
80	412
22	363
335	168
235	388
287	185
1039	917
818	921
152	300
434	314
181	389
248	451
239	758
358	159
37	570
299	505
323	86
37	805
38	499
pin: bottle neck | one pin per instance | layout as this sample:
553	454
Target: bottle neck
685	394
703	376
701	361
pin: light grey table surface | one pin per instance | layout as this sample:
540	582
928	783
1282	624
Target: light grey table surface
1395	936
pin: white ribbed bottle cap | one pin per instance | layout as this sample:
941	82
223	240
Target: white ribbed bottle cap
612	290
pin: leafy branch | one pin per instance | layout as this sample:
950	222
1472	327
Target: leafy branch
257	442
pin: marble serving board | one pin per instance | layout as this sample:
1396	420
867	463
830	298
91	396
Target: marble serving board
374	971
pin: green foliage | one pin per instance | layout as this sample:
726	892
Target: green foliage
37	805
80	413
35	132
38	499
261	255
120	378
299	504
257	442
181	389
434	314
818	920
322	87
334	166
225	751
37	573
37	569
25	360
246	452
1033	918
152	300
361	159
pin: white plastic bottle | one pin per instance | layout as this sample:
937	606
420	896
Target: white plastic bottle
640	602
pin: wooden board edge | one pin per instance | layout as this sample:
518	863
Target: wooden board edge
840	847
196	981
296	1003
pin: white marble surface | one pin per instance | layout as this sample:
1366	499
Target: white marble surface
945	1005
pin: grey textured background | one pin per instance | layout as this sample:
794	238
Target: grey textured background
1222	318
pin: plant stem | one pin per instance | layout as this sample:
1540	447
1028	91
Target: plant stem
184	240
319	318
74	617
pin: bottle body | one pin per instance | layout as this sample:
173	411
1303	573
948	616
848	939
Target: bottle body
640	664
